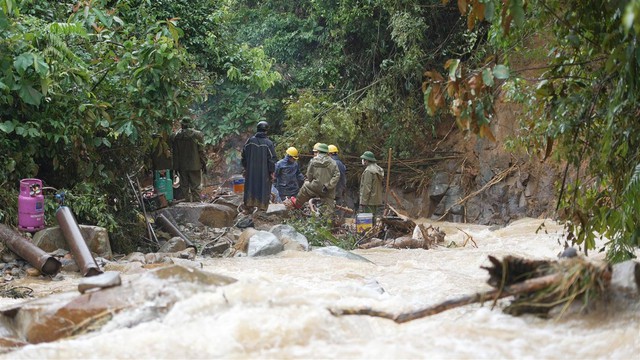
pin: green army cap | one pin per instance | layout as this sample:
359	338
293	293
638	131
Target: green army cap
323	148
368	155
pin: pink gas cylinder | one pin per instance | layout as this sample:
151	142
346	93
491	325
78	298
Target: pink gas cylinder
30	205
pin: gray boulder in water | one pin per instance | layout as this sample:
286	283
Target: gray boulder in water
336	251
290	238
264	243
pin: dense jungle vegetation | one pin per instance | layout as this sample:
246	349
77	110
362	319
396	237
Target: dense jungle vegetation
84	85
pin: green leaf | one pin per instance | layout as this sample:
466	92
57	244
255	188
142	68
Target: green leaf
8	126
102	17
501	72
22	62
30	95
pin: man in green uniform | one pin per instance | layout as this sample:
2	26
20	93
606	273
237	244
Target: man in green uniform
370	184
189	159
322	178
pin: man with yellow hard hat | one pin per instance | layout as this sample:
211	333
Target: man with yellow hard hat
341	188
288	175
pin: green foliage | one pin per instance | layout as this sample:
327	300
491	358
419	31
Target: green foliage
318	230
352	70
312	119
584	108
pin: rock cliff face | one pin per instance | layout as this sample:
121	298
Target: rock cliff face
486	184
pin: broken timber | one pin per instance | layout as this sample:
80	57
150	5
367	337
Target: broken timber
536	286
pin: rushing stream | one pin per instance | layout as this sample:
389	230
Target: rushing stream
278	309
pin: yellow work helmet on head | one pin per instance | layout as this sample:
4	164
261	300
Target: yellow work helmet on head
315	147
293	152
333	149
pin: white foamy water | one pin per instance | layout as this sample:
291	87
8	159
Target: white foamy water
278	309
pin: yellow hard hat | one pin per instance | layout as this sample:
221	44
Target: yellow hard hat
315	147
333	149
293	152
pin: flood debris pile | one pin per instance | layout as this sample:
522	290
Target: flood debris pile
394	230
538	287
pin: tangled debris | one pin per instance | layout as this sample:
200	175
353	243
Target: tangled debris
537	286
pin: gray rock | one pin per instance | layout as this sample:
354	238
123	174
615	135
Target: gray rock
233	201
339	252
97	239
264	243
276	209
202	214
175	244
568	253
290	238
218	248
69	265
105	280
626	276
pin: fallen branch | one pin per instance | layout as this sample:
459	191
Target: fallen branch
536	285
525	286
469	237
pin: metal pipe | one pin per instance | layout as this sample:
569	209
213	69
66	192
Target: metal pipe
76	242
24	248
173	230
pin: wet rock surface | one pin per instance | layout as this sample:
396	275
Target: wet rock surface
66	314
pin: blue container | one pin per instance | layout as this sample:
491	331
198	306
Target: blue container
163	183
31	205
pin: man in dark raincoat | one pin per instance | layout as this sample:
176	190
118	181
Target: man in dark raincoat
189	159
259	163
288	175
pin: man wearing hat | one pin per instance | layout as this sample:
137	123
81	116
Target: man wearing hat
288	175
189	158
341	188
259	163
322	177
370	184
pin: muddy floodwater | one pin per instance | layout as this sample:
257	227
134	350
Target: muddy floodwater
278	309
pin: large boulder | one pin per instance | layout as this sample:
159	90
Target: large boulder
97	239
290	238
203	214
264	243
